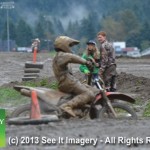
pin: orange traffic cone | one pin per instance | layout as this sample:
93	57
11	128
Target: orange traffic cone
34	54
35	109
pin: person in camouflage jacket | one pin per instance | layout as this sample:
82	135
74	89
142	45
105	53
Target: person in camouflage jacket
107	61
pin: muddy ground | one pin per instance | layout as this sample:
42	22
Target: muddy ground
133	78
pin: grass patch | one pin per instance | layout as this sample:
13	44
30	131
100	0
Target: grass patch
54	85
9	96
146	112
138	101
42	83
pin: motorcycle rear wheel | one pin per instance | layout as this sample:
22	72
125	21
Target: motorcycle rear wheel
23	110
21	116
123	111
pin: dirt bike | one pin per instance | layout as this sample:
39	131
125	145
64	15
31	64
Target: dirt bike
106	105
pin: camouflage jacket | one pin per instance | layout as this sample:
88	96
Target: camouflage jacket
107	55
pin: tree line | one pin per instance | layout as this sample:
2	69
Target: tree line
126	24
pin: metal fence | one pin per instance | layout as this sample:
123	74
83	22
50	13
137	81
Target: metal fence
4	45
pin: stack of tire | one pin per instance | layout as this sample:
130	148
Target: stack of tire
32	70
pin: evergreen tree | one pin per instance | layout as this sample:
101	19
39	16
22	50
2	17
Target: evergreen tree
24	34
145	31
50	29
12	31
129	22
73	30
4	32
113	29
40	28
58	27
145	35
84	28
133	40
140	39
122	20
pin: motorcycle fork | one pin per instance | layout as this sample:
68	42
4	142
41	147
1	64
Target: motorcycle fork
108	103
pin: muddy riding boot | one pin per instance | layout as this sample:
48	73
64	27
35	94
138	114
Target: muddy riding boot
68	108
77	101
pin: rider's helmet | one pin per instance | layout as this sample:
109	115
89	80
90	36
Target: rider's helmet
91	42
63	43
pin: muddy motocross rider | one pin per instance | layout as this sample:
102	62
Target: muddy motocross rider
66	81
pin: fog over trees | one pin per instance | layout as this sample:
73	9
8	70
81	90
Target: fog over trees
123	20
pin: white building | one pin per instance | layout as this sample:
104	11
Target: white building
118	46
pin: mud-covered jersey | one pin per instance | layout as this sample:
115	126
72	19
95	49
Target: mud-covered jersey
107	55
61	68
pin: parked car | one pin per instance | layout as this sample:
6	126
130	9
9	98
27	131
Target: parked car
24	49
135	54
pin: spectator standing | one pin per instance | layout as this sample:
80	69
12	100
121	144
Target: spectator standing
107	61
36	44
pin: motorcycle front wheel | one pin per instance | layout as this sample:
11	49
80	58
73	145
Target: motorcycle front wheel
122	111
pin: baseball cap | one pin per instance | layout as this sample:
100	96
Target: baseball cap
91	42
